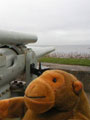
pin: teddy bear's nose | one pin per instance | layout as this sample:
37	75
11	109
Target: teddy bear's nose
38	90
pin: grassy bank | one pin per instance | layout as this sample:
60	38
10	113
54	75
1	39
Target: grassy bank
68	61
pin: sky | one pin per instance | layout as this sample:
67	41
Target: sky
55	22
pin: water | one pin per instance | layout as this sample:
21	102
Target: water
83	49
74	51
79	51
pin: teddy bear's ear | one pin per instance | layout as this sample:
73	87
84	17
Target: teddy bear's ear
77	87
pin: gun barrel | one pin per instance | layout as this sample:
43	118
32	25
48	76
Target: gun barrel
15	38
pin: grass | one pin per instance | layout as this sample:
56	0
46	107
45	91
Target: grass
68	61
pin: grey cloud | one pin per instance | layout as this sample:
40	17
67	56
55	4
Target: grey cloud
49	19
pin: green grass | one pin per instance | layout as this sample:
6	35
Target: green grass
68	61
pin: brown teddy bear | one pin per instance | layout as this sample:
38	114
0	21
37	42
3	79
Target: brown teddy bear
55	95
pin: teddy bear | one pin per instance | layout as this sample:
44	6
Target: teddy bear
54	95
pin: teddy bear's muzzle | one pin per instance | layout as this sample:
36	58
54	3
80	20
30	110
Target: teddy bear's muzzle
39	96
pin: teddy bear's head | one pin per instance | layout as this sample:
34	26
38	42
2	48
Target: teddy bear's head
54	88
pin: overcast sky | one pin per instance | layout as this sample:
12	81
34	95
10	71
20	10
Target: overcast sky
55	22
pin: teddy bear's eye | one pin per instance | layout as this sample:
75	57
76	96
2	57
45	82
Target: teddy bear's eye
54	80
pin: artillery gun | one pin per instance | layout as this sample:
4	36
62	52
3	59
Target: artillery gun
18	63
